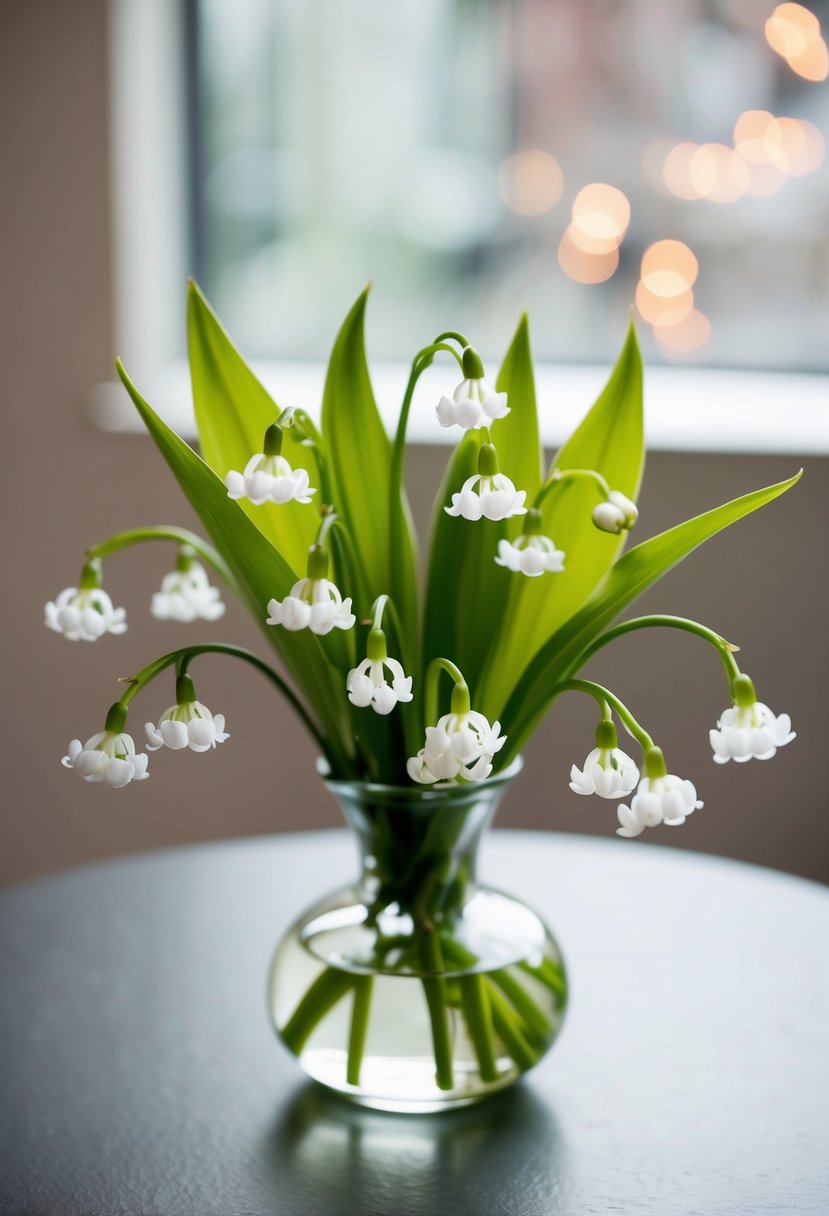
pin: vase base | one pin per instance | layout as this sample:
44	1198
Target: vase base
405	1087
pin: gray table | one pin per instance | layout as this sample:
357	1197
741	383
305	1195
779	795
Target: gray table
140	1075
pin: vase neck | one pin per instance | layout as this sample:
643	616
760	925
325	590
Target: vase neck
419	849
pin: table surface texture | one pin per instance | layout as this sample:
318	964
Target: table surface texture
139	1075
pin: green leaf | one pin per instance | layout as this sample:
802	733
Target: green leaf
359	453
467	592
233	410
609	440
560	658
260	571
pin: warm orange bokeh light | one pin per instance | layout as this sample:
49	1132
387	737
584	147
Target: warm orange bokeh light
751	134
676	171
601	215
530	182
585	267
765	180
795	145
669	268
687	335
794	32
661	310
718	173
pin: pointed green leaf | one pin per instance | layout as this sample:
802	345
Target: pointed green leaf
233	410
259	569
359	454
609	440
467	592
634	573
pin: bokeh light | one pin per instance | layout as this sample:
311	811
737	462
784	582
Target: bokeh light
530	182
676	171
669	268
794	33
718	173
795	146
663	310
751	136
583	266
685	336
601	215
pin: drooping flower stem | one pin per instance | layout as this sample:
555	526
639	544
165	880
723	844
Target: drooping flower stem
725	650
604	698
180	536
421	361
560	477
184	656
330	986
460	692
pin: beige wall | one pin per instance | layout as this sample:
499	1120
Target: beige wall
65	485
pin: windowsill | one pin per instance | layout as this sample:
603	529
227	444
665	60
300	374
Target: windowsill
687	409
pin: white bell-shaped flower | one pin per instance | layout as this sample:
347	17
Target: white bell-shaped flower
473	404
616	514
314	602
749	730
188	723
186	594
607	771
495	497
368	684
268	477
531	553
660	798
460	747
85	613
109	756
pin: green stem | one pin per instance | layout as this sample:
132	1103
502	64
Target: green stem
559	477
421	361
430	697
179	536
548	973
603	696
183	657
508	1030
359	1027
434	989
723	648
534	1018
327	990
476	1011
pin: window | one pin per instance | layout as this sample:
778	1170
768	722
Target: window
283	151
438	146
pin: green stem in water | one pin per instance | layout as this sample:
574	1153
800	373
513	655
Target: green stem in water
327	990
179	536
184	656
359	1027
724	649
476	1011
508	1030
434	989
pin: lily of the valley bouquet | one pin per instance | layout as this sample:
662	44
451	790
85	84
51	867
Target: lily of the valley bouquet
420	679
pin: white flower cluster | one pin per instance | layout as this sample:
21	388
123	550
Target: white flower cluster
668	799
367	685
313	603
473	404
607	772
530	555
85	615
186	595
496	498
750	732
460	747
269	479
189	725
616	514
109	756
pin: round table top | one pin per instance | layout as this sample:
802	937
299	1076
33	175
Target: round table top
140	1073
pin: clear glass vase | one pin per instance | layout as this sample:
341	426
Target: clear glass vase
417	988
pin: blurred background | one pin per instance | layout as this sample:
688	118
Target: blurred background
573	157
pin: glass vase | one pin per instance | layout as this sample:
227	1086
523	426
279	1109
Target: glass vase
418	988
